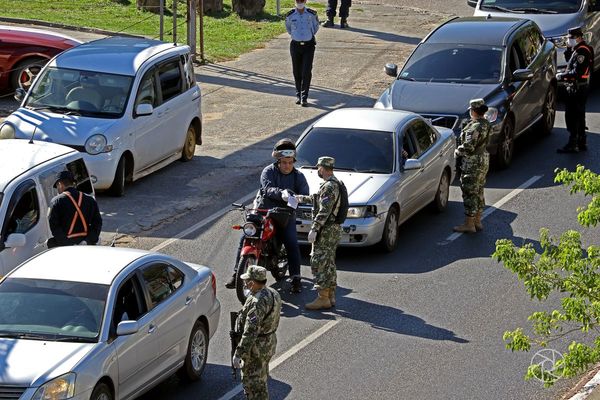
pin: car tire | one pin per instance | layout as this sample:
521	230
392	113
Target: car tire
506	147
189	146
440	201
101	392
197	352
242	267
548	113
389	239
117	189
30	67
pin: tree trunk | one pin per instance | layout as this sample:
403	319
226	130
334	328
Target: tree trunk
248	8
149	5
213	6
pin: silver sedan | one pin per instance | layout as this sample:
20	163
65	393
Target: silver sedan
101	323
392	162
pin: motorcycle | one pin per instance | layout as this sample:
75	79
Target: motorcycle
261	245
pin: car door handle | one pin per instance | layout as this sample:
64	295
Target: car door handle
151	328
188	300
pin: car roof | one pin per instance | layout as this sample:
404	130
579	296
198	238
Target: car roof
113	55
19	32
475	30
89	264
19	156
365	118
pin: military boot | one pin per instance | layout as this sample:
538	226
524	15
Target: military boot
467	227
477	222
344	24
332	296
231	282
328	23
321	302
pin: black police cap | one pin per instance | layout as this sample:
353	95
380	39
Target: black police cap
575	32
65	176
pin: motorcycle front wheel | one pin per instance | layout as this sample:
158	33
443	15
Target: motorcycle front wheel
240	290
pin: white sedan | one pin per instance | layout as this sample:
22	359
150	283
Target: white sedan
101	323
392	162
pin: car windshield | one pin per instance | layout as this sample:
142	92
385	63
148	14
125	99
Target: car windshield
77	92
51	310
446	62
353	149
533	6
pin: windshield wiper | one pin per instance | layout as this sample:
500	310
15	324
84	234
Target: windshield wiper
499	8
79	339
23	335
372	171
535	10
66	110
345	169
406	78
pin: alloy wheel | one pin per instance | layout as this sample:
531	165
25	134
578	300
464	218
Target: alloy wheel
198	349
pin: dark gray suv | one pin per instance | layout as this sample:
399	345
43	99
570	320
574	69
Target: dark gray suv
506	61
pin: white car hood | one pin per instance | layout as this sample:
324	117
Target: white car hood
31	363
361	186
57	128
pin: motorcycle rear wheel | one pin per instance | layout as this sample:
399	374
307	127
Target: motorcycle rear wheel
245	262
281	268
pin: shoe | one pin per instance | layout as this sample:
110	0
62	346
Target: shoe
304	103
296	286
344	24
568	149
298	100
230	284
332	296
467	227
321	302
477	222
328	23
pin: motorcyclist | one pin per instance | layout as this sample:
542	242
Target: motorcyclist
278	181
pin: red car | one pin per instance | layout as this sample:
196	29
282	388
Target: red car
23	53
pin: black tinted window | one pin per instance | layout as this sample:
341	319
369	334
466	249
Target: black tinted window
424	135
530	43
441	62
156	278
24	211
79	170
147	90
169	75
356	150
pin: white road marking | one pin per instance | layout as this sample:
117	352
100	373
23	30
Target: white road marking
282	358
200	224
496	206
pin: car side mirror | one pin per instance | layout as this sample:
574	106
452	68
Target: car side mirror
15	240
472	3
127	328
20	94
522	75
144	109
412	164
391	69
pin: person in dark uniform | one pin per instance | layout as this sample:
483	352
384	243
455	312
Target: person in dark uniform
580	57
344	12
74	216
302	24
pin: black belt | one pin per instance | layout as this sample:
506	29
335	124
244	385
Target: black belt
302	43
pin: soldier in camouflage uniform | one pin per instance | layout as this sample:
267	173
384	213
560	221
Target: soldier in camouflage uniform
324	235
258	320
475	162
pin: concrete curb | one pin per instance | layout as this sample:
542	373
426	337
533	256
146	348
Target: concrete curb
64	26
588	391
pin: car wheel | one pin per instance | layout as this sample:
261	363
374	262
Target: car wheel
101	392
117	188
189	147
507	144
440	202
245	262
389	239
195	358
548	113
25	72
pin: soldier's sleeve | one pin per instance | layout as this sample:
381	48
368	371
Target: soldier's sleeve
326	201
470	137
254	316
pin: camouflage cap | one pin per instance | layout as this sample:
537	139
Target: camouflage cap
326	161
477	103
255	273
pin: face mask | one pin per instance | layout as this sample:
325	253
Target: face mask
300	6
571	42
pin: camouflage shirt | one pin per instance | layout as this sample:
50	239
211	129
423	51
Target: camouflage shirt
259	316
326	202
474	137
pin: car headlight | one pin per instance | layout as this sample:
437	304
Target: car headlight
7	131
59	388
97	144
249	229
361	212
559	41
491	114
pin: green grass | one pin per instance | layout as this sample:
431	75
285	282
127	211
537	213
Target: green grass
226	35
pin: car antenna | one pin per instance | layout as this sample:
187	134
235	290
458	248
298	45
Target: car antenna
32	135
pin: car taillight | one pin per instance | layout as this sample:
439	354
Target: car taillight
213	282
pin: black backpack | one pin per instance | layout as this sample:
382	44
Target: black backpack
343	204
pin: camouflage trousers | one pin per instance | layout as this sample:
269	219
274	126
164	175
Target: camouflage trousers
322	258
472	181
255	371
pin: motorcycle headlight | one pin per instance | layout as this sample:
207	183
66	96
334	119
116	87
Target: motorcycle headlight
249	229
7	131
97	144
361	212
60	388
491	114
